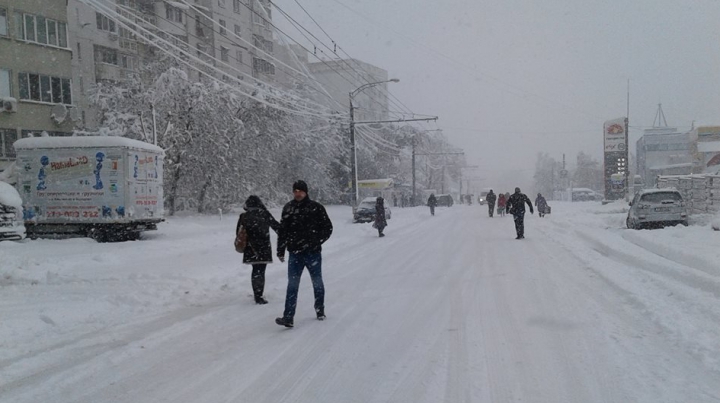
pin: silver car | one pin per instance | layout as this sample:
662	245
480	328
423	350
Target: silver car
654	208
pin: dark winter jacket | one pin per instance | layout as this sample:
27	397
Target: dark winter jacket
304	227
380	221
516	204
432	201
258	222
490	197
540	203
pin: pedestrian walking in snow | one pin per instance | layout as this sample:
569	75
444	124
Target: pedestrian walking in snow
491	198
380	221
541	205
394	200
432	203
501	205
257	221
304	227
516	206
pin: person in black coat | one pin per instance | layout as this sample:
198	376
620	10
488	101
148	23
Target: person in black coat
491	198
516	206
304	227
257	221
380	221
432	203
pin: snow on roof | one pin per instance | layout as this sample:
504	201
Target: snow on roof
83	142
9	196
671	166
660	190
178	5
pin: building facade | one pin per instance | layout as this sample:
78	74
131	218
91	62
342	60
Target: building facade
664	151
36	83
341	77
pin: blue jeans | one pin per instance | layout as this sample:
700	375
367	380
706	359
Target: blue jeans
296	263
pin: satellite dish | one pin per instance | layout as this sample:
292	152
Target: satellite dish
59	113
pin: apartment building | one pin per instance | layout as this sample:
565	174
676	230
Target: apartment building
36	83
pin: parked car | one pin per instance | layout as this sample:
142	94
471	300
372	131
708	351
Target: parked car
11	214
365	211
583	194
657	208
445	200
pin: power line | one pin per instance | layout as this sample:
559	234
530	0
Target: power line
108	10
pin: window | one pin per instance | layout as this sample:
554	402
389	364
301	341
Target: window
104	23
238	56
41	24
5	83
221	3
238	30
199	31
7	138
236	6
223	26
263	66
3	22
224	54
173	13
19	27
52	32
62	35
30	27
262	43
42	88
201	50
127	62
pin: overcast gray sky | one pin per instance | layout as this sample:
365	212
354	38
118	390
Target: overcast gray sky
511	78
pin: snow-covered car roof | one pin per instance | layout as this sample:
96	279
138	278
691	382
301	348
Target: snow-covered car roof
9	196
83	142
369	200
660	190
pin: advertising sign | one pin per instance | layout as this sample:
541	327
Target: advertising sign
615	139
615	136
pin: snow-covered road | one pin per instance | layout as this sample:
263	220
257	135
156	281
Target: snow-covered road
448	308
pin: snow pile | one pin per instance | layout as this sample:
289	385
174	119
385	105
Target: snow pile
715	224
9	196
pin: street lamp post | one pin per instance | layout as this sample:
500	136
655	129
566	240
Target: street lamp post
353	152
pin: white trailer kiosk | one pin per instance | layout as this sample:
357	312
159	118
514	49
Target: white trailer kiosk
105	187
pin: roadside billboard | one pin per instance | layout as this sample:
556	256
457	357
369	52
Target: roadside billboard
615	140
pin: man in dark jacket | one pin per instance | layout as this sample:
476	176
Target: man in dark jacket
516	206
304	227
432	203
491	198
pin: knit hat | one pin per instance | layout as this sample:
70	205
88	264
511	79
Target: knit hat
300	185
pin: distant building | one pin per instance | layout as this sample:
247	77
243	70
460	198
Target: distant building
664	151
708	148
36	86
340	77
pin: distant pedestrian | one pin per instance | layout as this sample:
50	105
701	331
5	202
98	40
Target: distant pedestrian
432	203
257	222
541	205
380	221
491	198
501	205
394	200
304	227
516	206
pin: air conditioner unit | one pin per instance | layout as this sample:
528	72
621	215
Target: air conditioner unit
8	105
113	36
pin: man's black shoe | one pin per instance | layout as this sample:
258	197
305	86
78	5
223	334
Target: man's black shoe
261	301
320	315
284	322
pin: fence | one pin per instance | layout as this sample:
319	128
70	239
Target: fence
700	192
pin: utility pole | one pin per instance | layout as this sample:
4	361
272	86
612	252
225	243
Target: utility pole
353	157
442	180
412	202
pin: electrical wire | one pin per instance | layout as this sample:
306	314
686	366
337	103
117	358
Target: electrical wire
252	87
122	20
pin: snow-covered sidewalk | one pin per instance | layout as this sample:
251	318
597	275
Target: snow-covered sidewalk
448	308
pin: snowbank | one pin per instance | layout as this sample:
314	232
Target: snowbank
9	196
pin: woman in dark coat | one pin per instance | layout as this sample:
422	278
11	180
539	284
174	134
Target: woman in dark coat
380	221
258	253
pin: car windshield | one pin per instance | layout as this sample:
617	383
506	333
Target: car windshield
660	197
367	205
